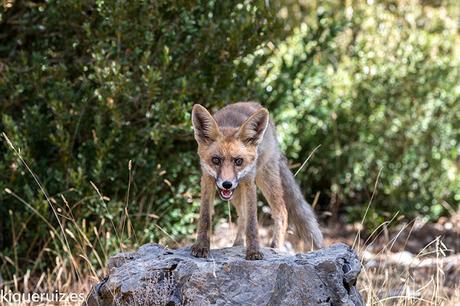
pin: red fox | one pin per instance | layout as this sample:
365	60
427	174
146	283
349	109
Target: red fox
238	151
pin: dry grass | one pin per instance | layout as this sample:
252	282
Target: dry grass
401	278
387	278
78	261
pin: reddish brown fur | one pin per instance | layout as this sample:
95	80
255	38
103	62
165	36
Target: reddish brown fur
227	146
240	131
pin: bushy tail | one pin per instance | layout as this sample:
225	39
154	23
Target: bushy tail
300	213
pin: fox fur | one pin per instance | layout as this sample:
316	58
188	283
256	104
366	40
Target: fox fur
238	151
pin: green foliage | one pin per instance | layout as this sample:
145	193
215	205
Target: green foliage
86	87
379	92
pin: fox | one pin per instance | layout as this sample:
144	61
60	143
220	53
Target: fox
239	152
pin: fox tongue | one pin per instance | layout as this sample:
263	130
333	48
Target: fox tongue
226	193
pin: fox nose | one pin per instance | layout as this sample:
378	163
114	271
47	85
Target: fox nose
227	184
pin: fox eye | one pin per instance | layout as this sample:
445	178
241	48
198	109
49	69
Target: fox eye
238	161
216	160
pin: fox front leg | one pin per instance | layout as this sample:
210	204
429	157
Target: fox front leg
241	211
201	246
252	236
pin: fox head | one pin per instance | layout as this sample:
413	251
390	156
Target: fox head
229	154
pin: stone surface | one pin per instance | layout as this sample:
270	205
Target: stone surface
157	276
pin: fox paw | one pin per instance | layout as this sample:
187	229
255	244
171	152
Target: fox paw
254	255
200	249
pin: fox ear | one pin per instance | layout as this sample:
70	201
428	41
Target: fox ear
254	127
204	125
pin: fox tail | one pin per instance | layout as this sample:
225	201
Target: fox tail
300	213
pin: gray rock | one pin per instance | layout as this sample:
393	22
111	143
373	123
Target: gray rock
157	276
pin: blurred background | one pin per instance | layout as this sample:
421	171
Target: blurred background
97	153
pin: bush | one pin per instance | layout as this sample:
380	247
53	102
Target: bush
378	90
88	87
97	98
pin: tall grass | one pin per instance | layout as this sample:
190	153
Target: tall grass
79	262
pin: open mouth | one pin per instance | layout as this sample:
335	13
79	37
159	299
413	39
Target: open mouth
225	194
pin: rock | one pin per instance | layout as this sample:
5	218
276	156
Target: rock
157	276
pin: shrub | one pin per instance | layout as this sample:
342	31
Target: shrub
88	86
97	98
379	92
